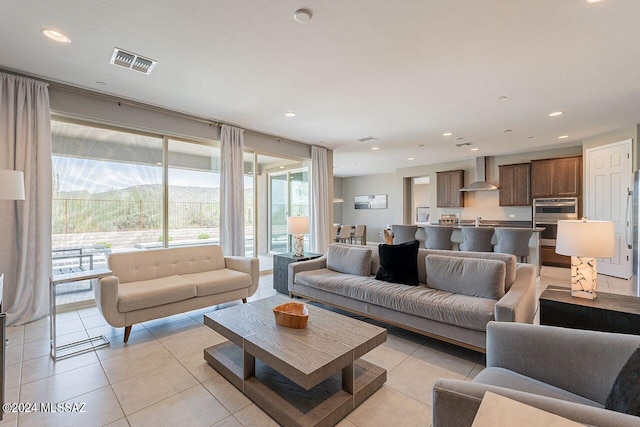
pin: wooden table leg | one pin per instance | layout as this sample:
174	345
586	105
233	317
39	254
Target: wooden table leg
348	378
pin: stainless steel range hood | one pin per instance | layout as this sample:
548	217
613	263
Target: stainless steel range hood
480	184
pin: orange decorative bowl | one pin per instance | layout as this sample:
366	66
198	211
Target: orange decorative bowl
291	315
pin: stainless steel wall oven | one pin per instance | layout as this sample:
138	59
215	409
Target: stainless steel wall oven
547	212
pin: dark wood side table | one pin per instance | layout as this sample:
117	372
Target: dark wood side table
607	313
281	269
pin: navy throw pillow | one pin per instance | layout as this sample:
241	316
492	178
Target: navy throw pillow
399	263
625	394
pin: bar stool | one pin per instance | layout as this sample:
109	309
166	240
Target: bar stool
477	239
514	241
438	237
345	234
358	234
403	233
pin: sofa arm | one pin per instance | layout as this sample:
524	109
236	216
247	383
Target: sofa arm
251	266
455	404
106	293
583	362
297	267
519	303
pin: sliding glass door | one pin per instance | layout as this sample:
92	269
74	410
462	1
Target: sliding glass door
288	196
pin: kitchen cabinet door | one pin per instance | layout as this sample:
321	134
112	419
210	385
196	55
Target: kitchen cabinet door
515	185
448	187
542	178
556	177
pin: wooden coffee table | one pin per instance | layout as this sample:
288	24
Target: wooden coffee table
300	377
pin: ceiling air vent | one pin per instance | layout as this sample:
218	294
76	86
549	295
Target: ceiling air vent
367	139
132	61
463	144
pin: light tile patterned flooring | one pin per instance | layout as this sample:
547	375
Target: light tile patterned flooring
161	379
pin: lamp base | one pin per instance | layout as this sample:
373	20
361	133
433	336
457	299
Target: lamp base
584	277
298	244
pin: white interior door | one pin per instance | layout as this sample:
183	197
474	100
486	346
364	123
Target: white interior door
608	183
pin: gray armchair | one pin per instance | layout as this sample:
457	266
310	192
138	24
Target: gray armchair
567	372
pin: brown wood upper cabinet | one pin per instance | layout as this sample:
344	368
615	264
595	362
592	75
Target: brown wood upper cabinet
515	184
449	184
556	177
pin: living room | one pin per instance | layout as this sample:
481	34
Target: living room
333	102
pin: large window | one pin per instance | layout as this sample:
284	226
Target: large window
116	190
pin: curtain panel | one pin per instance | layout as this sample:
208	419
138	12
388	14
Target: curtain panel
232	191
25	241
319	227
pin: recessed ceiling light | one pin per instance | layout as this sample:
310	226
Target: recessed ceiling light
302	15
563	137
375	148
474	149
55	35
281	167
507	130
594	1
290	114
447	134
556	113
159	163
410	158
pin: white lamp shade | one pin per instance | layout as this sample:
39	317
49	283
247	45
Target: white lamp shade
298	224
11	185
590	239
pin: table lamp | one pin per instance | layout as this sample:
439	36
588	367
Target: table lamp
585	241
298	225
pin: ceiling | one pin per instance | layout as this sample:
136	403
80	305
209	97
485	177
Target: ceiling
403	72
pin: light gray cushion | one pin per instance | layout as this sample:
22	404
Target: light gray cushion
466	276
508	259
151	293
218	281
349	260
460	310
514	381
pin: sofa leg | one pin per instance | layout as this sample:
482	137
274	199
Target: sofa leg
127	331
244	300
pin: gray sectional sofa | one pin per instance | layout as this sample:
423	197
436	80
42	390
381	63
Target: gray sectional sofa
459	292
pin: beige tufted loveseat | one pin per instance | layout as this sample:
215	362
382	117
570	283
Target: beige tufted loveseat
151	284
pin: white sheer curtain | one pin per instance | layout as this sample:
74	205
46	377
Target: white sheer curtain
232	191
319	227
25	239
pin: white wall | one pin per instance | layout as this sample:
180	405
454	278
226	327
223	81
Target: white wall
374	219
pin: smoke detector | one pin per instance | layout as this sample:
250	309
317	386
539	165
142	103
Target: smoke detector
132	61
302	15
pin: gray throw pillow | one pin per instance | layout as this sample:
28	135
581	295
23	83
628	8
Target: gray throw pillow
474	277
349	260
625	394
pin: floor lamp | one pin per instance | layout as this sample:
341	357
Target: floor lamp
11	188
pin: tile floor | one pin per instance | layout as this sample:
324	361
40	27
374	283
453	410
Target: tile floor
161	379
